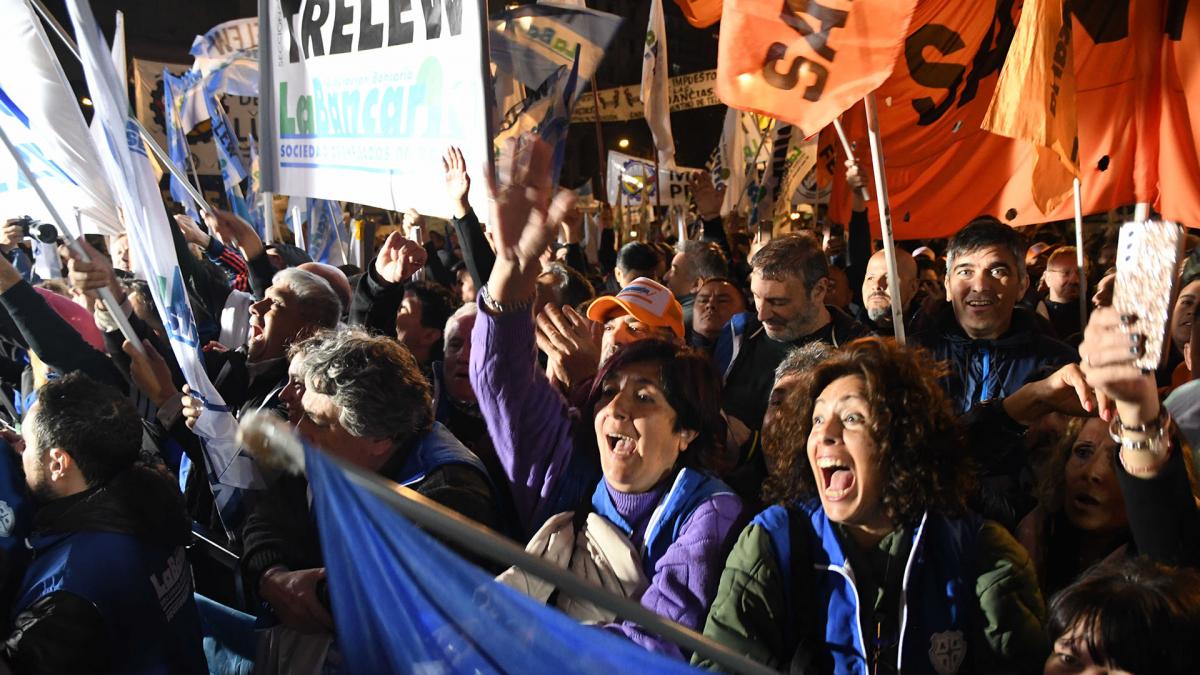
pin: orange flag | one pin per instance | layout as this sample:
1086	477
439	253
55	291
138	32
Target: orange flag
700	13
1034	99
805	62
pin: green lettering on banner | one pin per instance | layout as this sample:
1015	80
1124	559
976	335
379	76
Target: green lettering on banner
304	115
287	124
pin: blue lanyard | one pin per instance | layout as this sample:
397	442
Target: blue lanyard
984	395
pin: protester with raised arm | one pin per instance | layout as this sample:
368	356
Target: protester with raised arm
638	447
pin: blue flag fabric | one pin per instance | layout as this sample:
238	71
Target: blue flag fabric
324	220
404	603
177	144
230	163
252	190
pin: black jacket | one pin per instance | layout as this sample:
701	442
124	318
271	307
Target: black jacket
984	370
61	632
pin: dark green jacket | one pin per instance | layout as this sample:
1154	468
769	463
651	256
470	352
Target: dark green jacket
751	614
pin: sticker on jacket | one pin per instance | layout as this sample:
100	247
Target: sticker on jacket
947	651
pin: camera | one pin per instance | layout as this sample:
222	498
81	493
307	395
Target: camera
43	232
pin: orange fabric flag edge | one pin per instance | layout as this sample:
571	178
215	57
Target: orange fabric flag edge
1034	100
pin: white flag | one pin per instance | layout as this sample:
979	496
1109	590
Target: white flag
656	86
41	116
132	182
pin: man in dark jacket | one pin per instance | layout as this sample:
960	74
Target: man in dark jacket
109	588
992	349
787	281
365	401
876	310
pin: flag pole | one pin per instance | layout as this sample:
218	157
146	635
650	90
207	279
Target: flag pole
841	134
105	293
885	214
601	152
272	440
1083	300
163	158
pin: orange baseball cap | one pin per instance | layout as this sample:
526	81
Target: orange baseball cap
649	301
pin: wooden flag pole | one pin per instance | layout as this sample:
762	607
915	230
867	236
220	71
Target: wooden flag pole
885	215
601	151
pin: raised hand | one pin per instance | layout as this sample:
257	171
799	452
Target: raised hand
149	372
399	259
228	227
92	275
858	185
11	234
191	230
708	197
523	219
458	181
571	341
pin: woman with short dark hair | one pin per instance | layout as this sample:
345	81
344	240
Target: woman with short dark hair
1132	616
870	562
631	455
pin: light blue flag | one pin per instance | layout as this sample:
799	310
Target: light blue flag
252	191
127	168
177	144
236	74
534	41
228	157
403	603
324	236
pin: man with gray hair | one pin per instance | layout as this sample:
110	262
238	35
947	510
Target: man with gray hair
366	401
991	346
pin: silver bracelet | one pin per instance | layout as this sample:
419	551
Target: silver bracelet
1157	431
507	308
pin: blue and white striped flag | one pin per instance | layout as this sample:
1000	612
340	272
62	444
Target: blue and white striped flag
656	86
236	74
230	470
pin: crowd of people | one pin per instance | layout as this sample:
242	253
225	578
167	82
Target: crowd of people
722	428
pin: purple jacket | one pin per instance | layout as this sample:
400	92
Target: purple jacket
533	429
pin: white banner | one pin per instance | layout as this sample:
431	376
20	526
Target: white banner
148	102
127	168
42	118
634	177
365	103
621	104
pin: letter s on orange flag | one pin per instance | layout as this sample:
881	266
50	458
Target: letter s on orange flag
805	62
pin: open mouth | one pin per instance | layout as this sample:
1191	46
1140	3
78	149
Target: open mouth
256	332
621	445
1084	499
980	304
837	478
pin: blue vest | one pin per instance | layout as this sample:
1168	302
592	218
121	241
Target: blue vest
436	449
690	489
142	591
939	577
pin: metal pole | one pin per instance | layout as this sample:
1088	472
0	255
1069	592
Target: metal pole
1083	299
163	158
105	294
268	201
265	434
837	126
885	215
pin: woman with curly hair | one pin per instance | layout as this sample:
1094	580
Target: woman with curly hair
869	562
1080	519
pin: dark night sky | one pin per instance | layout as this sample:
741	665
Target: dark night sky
163	30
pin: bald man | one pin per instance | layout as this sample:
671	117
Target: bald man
876	294
336	278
